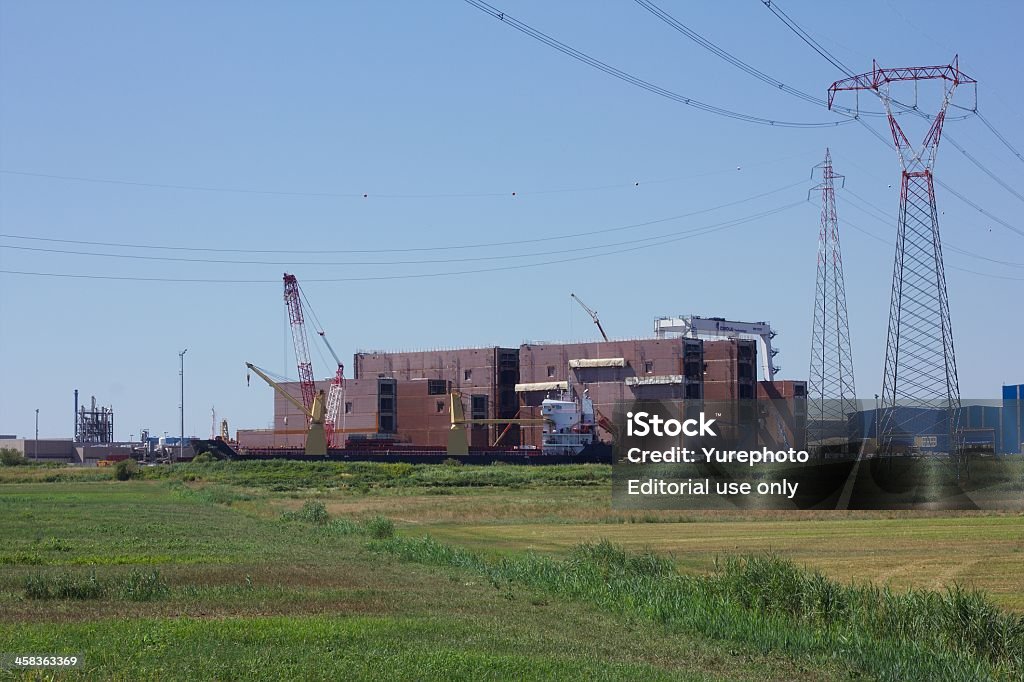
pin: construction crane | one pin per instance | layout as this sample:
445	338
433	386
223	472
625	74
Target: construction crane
593	315
293	301
334	394
316	440
458	442
297	302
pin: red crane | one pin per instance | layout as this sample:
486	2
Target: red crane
293	301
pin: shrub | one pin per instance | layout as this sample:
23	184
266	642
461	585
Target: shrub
452	462
379	527
313	511
203	457
10	457
126	469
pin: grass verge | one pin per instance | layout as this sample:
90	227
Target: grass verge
771	605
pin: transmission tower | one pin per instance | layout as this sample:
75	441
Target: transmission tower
831	394
920	365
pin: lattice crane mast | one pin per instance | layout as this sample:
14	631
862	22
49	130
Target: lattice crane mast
593	315
293	301
334	395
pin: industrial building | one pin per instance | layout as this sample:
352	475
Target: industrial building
403	396
986	426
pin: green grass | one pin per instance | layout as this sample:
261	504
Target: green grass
329	564
318	647
772	605
242	595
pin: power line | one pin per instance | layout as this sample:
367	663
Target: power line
373	195
951	267
592	247
878	214
970	157
949	189
742	65
634	80
1002	139
615	252
978	208
449	247
806	37
777	11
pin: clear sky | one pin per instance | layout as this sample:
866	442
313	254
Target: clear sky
461	131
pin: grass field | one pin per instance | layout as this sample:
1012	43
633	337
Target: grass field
221	571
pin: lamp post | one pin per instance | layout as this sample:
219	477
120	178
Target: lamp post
35	444
181	373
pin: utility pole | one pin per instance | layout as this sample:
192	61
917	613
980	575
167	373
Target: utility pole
181	373
35	444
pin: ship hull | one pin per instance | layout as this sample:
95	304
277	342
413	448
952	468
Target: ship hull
597	453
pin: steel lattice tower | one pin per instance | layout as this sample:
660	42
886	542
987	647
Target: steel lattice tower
920	363
831	395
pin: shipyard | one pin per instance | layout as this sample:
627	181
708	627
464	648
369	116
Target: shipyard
512	340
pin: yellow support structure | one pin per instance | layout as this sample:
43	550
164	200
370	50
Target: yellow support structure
458	442
316	438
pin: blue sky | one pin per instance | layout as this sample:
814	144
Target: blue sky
439	113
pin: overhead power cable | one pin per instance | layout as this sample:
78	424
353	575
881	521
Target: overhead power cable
639	82
742	65
449	247
465	259
951	267
978	208
806	37
970	157
777	11
867	208
384	195
1002	139
614	252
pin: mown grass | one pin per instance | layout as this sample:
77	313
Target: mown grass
320	647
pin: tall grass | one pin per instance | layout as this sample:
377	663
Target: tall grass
314	512
285	475
771	605
132	586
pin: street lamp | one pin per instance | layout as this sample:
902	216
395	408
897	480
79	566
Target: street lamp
181	372
35	444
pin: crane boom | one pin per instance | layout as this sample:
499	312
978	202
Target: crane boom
593	315
280	389
293	301
334	394
316	440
